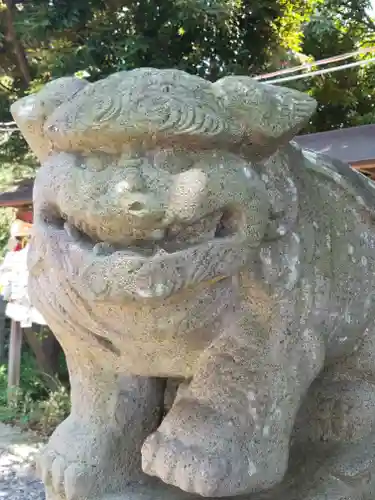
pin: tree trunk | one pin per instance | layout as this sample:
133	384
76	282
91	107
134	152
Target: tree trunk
2	331
12	39
14	363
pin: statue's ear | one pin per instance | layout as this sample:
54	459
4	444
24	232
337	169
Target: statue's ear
31	112
262	116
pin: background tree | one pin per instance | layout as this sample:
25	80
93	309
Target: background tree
346	98
44	39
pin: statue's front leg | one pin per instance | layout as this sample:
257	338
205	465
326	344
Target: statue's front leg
228	432
97	449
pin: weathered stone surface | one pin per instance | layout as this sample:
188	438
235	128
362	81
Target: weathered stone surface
178	234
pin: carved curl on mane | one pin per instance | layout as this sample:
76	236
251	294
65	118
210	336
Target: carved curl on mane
148	105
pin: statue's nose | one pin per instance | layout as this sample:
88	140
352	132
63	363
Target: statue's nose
132	182
136	199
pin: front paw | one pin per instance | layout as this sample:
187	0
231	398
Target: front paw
200	451
66	479
79	460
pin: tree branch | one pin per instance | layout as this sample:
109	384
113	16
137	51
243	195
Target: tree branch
369	22
7	89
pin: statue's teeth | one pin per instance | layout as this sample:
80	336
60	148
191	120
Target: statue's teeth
160	252
158	234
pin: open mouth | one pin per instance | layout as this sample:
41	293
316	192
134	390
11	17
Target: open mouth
159	265
173	238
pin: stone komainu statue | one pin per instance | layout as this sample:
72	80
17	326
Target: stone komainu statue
180	235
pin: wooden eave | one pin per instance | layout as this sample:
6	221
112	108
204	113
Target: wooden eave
20	197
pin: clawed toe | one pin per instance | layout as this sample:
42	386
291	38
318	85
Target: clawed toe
44	466
57	472
78	482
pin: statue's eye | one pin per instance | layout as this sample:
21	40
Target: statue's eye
96	162
81	163
173	162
